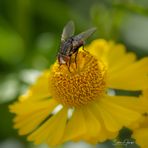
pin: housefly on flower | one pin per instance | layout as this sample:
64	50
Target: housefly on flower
71	43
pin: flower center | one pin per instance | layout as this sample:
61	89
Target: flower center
83	82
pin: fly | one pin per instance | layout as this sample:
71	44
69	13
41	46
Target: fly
71	43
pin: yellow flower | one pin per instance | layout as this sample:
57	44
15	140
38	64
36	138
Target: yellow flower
141	134
75	105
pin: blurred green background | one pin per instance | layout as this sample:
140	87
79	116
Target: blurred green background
30	32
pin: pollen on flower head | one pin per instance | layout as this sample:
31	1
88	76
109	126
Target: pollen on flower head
85	82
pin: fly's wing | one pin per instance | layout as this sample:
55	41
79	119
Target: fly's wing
68	31
84	35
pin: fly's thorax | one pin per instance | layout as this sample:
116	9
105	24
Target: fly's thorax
66	47
77	44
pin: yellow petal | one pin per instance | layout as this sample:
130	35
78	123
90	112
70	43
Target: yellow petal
123	71
104	133
40	89
130	102
92	125
29	106
31	117
99	48
114	55
141	137
52	130
42	84
31	122
133	77
120	64
75	127
116	116
109	119
145	94
144	123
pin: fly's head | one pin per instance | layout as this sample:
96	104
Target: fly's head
63	59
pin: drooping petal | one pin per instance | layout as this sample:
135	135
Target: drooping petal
31	114
31	121
29	106
115	115
110	121
104	133
132	77
130	102
52	130
103	119
75	127
92	125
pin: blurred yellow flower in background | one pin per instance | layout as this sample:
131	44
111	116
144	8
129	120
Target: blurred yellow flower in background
141	134
76	105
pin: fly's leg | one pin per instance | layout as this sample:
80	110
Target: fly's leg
68	67
59	60
60	65
76	58
84	49
68	64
